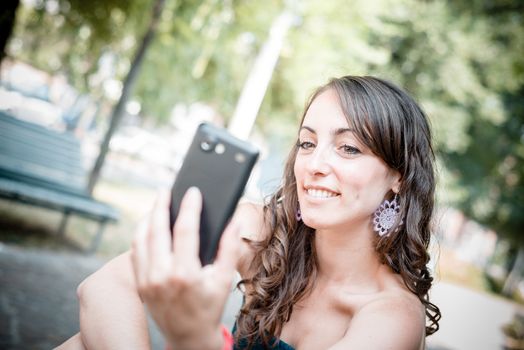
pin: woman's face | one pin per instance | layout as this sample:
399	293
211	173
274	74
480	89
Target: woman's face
339	181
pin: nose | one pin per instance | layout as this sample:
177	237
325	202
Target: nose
320	161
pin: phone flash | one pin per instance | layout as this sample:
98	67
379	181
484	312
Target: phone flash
220	148
240	158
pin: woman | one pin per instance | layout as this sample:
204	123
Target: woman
336	259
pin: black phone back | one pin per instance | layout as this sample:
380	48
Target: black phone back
218	164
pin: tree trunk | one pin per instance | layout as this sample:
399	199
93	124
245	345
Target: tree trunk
515	273
118	110
259	77
7	23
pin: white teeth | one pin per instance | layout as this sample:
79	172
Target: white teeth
321	193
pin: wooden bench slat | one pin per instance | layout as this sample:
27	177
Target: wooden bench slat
45	183
30	194
48	172
41	156
23	138
7	120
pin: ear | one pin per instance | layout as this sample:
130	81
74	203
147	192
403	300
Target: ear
396	181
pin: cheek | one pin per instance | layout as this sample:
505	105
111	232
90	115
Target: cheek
298	169
365	182
355	178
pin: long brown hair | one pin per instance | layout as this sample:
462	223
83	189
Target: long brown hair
392	125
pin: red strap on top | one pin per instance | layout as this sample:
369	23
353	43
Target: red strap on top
228	339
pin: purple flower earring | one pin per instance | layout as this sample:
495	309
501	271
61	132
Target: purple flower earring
298	214
386	216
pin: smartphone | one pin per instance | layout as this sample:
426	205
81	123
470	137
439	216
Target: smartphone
219	164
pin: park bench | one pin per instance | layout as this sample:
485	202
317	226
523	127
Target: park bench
43	167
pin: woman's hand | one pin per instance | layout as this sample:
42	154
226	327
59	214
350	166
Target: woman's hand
185	299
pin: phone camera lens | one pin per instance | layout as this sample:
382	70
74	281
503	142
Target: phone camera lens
207	145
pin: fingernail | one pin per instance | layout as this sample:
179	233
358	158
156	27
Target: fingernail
193	192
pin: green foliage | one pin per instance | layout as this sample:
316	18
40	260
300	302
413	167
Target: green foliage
491	166
514	332
463	60
203	52
69	36
492	170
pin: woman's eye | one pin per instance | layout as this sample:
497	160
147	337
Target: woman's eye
349	149
305	144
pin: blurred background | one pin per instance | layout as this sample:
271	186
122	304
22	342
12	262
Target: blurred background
129	81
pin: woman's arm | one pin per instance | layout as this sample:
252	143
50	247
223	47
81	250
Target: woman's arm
73	343
112	315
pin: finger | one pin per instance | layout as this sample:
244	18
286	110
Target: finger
158	233
187	226
139	252
229	250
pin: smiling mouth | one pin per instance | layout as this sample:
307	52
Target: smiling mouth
316	193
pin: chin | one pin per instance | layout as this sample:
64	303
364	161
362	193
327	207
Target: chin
316	223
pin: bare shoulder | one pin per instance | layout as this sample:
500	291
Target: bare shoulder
249	217
396	306
394	319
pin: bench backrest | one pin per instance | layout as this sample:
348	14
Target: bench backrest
37	155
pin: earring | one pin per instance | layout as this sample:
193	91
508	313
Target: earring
298	213
386	216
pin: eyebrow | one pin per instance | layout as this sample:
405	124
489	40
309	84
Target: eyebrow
336	132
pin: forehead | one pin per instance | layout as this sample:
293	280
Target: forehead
325	112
